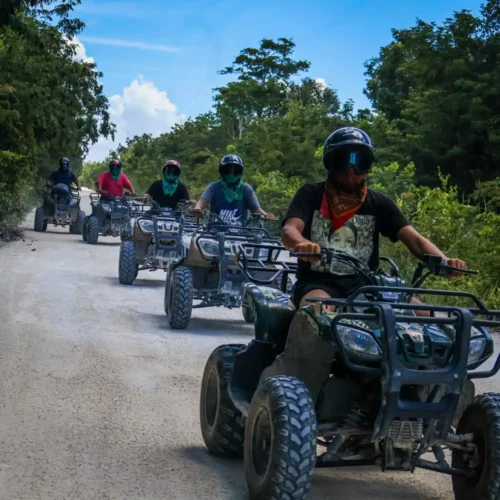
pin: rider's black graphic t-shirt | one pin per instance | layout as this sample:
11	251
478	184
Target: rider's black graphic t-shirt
358	237
156	192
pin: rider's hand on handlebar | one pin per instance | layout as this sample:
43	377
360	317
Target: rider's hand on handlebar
197	212
457	263
307	247
268	216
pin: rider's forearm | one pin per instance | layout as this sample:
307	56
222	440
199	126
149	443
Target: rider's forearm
422	246
201	204
260	211
291	237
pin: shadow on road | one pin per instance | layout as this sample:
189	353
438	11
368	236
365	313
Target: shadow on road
215	326
348	483
230	471
102	243
139	283
208	327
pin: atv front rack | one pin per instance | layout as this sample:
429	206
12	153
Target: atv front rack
256	268
394	373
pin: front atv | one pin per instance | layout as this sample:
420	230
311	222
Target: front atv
61	207
372	383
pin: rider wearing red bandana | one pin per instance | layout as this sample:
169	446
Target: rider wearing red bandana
342	213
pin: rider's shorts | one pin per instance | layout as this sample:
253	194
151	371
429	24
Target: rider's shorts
335	288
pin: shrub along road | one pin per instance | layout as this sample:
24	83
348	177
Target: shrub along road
99	398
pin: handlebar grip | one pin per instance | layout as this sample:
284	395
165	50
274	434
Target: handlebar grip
295	254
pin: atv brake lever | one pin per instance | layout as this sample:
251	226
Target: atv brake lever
450	269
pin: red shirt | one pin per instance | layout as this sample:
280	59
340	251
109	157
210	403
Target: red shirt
115	187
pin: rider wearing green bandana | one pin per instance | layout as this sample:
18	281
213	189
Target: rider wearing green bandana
168	191
230	198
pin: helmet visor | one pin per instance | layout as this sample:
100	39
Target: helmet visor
172	170
231	168
360	158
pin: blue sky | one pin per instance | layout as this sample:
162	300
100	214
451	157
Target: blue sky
164	55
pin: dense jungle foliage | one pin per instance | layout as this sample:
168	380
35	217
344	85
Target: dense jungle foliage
434	118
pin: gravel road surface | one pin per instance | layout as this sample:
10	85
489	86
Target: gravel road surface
99	398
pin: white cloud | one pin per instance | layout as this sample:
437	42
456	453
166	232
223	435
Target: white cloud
80	52
141	109
126	43
321	82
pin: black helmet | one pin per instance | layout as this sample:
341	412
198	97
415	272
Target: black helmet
64	162
229	161
348	145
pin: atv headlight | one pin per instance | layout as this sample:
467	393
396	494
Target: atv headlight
146	226
106	208
476	349
209	247
360	343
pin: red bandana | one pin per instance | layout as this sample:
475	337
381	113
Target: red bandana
340	207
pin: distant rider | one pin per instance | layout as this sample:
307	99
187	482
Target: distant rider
168	191
342	213
63	175
230	198
114	182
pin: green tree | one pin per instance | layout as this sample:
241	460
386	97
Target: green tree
51	104
438	90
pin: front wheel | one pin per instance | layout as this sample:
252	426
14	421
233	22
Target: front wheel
179	297
221	427
92	230
127	266
482	419
40	224
248	313
280	440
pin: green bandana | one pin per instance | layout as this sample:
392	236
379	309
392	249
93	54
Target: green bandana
115	174
169	183
232	187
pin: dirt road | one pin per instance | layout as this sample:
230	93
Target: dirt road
99	398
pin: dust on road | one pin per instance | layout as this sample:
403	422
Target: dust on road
99	398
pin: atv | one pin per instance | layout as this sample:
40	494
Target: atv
159	237
208	272
110	217
382	380
61	207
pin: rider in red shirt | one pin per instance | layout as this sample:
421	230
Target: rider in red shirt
114	182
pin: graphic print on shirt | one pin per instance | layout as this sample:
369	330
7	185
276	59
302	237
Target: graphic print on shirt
230	215
356	237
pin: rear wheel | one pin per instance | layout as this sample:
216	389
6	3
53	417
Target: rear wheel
92	230
481	418
127	267
77	226
179	297
280	440
40	224
221	427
